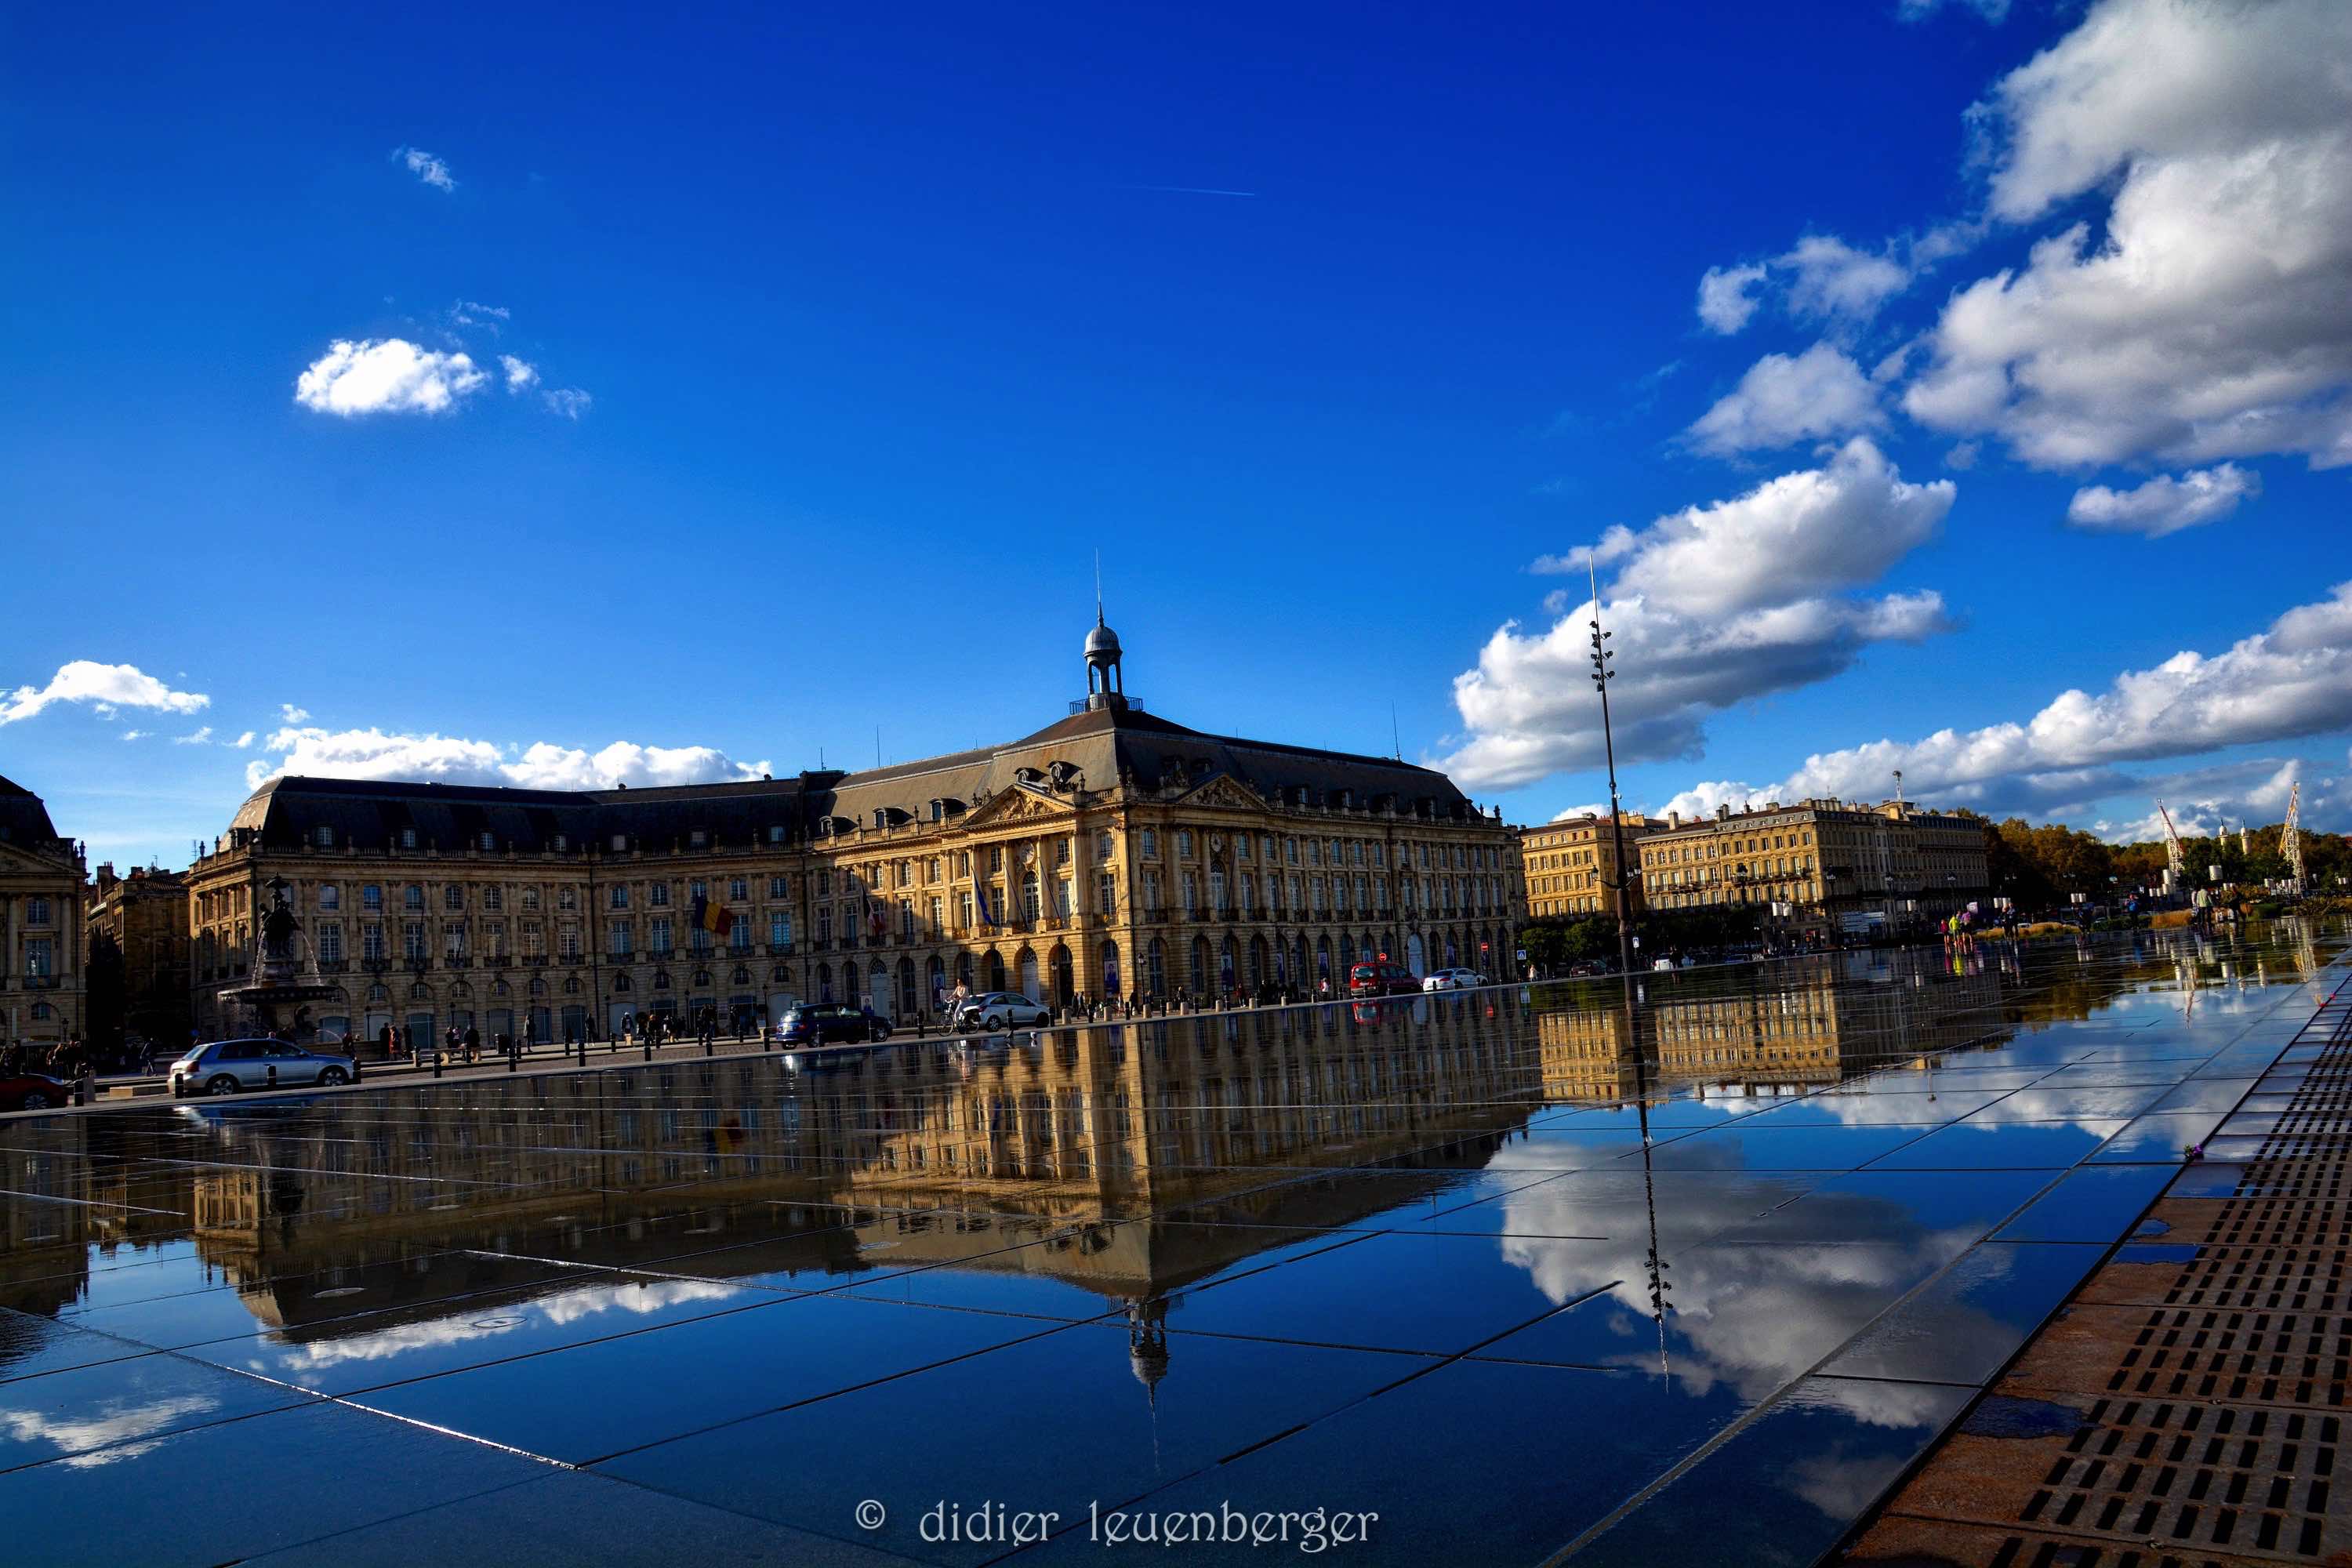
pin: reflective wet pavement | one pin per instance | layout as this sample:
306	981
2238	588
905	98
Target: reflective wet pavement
1517	1275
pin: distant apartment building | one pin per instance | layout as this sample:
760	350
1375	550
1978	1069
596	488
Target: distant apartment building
145	917
1571	866
43	993
1823	861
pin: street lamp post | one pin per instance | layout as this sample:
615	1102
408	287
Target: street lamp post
1602	676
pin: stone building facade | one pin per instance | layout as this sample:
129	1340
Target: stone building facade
145	916
1110	854
1571	866
44	988
1828	861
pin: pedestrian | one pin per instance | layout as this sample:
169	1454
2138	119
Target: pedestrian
473	1045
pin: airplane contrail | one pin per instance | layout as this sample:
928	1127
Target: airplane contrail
1189	190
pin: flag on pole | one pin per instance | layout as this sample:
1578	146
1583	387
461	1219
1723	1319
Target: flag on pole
716	918
987	915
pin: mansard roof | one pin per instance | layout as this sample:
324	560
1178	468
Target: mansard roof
24	820
1097	749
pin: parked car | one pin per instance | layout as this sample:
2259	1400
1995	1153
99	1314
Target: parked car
1001	1010
1378	977
225	1067
1451	980
34	1092
832	1023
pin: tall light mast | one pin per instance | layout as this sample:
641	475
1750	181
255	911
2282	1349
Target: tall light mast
2291	837
2173	857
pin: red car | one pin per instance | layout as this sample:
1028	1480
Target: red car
1378	977
34	1092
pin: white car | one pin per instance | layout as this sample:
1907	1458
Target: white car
1451	980
1001	1010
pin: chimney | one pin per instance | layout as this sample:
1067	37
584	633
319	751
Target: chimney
1723	812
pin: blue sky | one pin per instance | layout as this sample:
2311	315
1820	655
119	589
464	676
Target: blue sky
844	338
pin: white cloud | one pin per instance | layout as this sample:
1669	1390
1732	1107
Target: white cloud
1780	401
473	313
241	741
1834	281
106	686
2203	318
425	167
1726	297
202	737
2164	504
388	376
1710	607
136	734
291	714
519	373
568	401
1963	456
373	753
1838	526
2291	679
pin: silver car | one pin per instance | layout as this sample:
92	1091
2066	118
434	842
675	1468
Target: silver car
1001	1010
225	1067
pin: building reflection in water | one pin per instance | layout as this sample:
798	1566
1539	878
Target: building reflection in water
1085	1156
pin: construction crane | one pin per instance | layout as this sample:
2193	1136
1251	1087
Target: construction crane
2290	837
2173	859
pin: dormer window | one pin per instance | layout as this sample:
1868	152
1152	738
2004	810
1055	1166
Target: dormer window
324	837
697	840
408	838
490	841
775	834
563	843
620	844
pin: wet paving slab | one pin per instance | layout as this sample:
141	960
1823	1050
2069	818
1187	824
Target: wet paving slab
1524	1272
2186	1403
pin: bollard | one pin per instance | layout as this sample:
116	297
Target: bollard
710	1045
649	1047
514	1058
437	1062
273	1075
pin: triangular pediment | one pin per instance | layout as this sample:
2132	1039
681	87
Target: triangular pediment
16	860
1018	803
1224	791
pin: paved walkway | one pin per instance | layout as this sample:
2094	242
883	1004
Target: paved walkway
2187	1407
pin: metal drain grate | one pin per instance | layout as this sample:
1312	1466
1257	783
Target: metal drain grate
2272	1358
2204	1475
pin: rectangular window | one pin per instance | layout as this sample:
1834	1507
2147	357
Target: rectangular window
661	936
777	887
780	929
38	952
936	919
1062	896
331	943
1151	844
1185	843
567	940
372	939
494	897
412	896
530	897
530	939
453	897
494	938
453	940
738	936
619	895
1107	894
738	890
330	897
964	916
371	897
412	940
